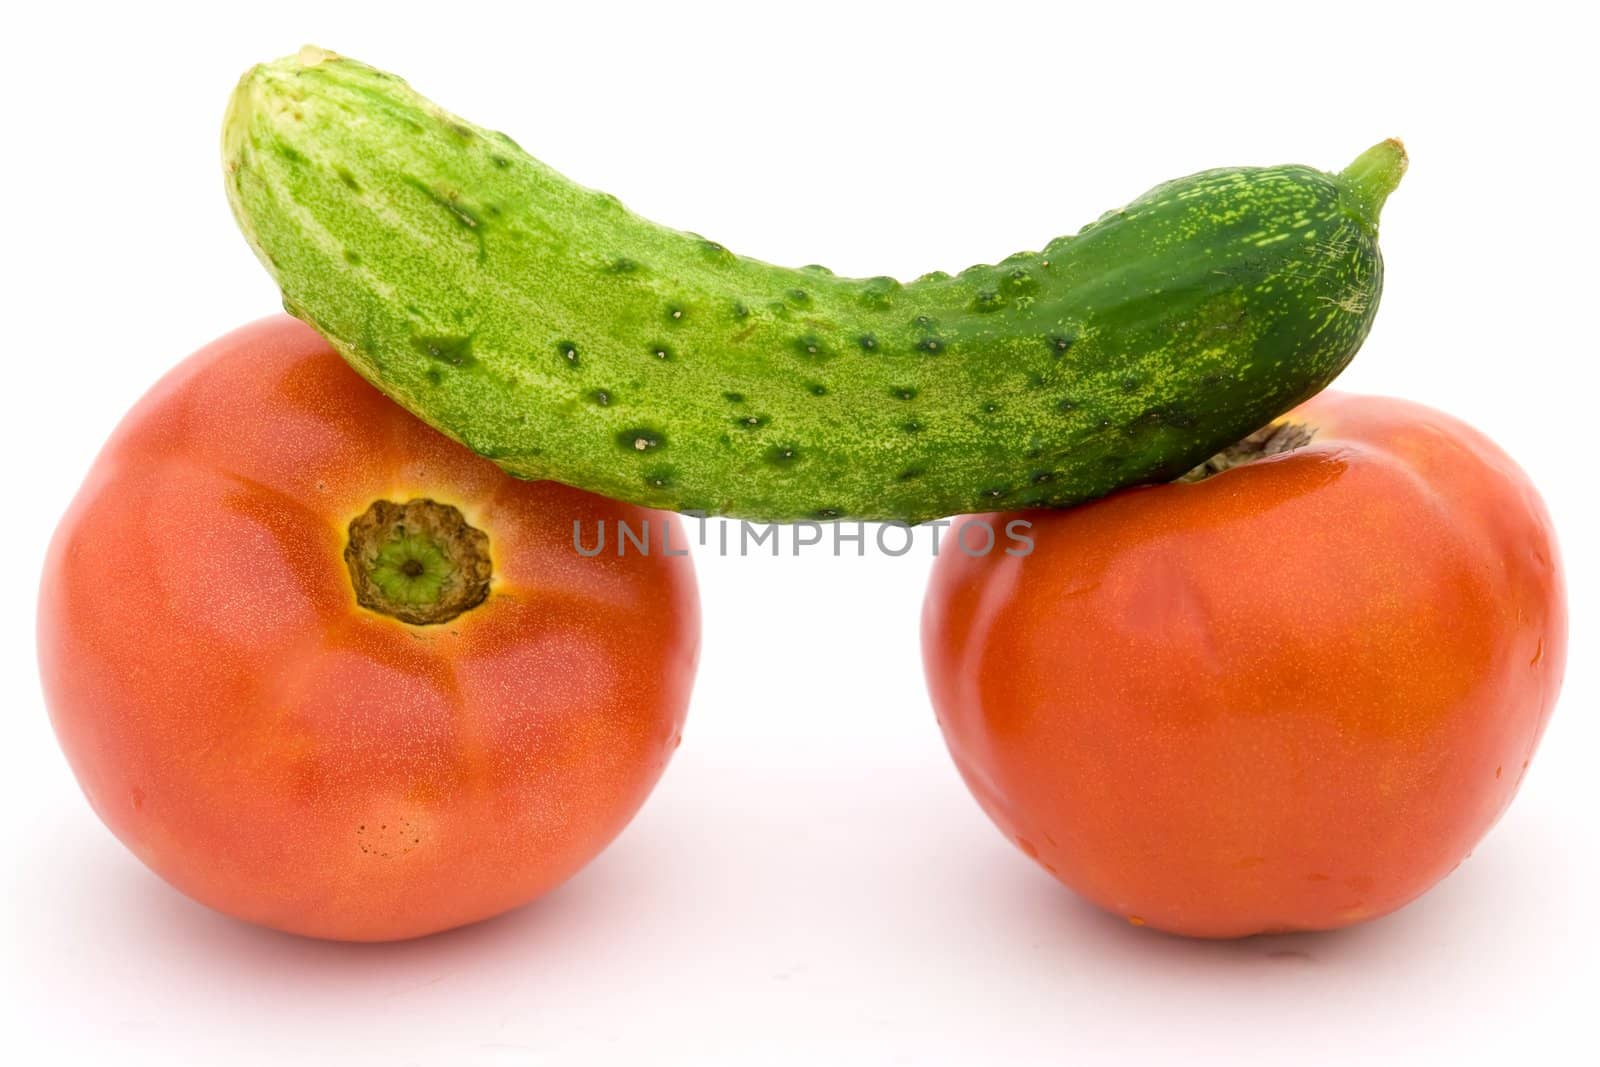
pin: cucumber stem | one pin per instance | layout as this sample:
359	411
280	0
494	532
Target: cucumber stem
1372	177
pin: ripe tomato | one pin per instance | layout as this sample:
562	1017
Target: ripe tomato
475	729
1290	696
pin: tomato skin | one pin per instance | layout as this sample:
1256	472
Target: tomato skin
1292	696
285	756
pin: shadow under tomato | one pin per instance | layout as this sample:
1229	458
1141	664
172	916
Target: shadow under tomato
1474	902
553	925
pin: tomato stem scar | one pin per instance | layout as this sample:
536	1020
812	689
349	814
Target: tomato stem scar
420	562
1271	440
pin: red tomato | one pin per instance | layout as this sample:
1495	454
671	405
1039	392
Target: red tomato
1290	696
280	752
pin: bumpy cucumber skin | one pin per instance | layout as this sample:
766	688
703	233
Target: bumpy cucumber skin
546	327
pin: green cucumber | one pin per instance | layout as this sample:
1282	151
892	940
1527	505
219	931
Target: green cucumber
546	327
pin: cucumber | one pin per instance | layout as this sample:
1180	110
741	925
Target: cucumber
544	326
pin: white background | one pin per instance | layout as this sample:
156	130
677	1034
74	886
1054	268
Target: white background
811	882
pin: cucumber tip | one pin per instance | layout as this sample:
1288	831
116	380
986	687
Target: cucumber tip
310	55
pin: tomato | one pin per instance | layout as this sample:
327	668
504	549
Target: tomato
1290	696
252	713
